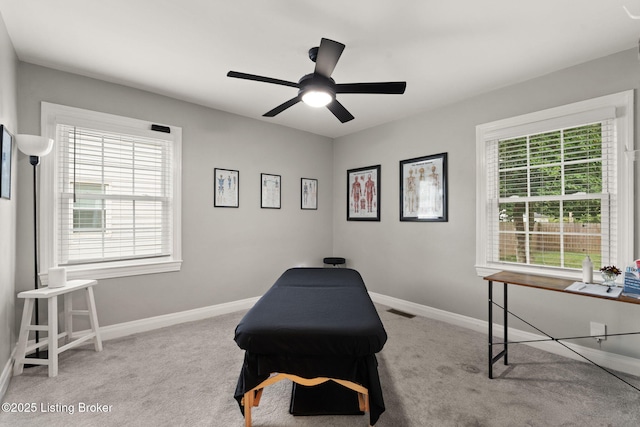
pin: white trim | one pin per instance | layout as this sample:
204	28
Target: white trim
489	269
482	232
5	376
120	330
48	212
620	363
112	270
143	325
626	181
629	365
554	118
591	108
431	312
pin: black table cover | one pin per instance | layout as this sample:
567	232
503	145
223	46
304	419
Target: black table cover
314	322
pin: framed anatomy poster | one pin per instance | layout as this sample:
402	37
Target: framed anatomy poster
226	188
308	193
270	186
363	194
423	189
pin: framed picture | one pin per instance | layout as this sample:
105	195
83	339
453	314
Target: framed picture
226	184
308	193
270	186
363	194
5	167
423	189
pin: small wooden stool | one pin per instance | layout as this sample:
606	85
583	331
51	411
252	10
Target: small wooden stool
51	341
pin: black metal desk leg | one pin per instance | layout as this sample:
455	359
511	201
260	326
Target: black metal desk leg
490	321
506	328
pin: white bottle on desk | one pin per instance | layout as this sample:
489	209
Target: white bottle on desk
587	270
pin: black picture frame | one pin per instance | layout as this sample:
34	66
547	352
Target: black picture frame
363	193
308	194
423	189
270	191
6	149
226	188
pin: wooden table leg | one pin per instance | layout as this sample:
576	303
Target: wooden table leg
248	404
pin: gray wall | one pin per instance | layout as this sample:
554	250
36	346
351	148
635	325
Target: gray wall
229	254
433	263
8	117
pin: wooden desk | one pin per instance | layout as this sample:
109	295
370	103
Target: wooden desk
539	282
51	294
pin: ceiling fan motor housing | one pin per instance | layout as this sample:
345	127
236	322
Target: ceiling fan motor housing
317	82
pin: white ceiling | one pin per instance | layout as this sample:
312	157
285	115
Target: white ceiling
445	50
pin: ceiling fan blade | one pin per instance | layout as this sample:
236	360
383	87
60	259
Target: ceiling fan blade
339	111
384	88
329	52
280	108
246	76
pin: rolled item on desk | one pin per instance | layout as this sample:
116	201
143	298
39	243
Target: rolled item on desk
57	277
587	270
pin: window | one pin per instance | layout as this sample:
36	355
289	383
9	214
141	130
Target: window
88	213
114	187
556	186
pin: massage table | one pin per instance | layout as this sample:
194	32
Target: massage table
312	326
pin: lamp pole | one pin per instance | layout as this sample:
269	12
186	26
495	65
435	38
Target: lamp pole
35	146
35	160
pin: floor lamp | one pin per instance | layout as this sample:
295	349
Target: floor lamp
35	146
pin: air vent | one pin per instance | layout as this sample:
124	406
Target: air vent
401	313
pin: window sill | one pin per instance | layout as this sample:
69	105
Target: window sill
117	269
488	270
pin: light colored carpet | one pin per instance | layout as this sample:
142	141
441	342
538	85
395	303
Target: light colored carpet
432	374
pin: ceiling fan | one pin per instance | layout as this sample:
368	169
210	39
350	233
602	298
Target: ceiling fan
318	89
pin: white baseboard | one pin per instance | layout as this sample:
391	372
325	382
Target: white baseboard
430	312
143	325
608	360
5	376
120	330
620	363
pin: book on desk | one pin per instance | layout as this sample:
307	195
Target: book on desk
631	282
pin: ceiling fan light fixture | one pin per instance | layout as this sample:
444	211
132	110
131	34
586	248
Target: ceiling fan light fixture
317	98
318	89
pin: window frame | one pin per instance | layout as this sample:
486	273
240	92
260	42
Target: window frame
621	107
52	114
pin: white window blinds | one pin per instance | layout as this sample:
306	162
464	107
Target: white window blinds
551	197
114	196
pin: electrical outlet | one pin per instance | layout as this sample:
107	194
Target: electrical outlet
599	331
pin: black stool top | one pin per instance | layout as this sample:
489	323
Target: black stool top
334	261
